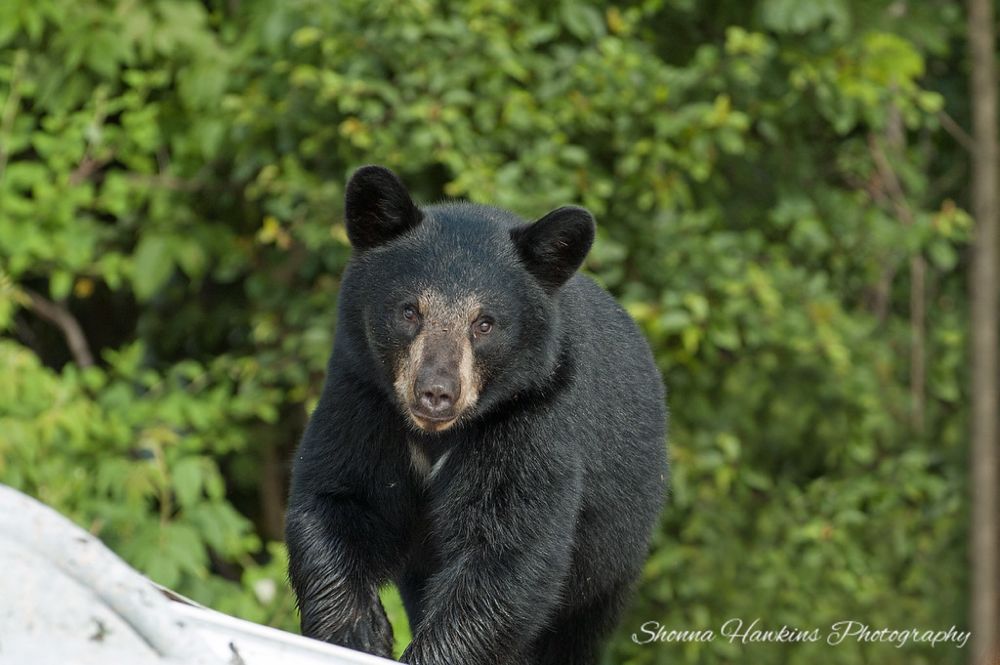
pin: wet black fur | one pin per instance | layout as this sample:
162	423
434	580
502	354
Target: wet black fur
524	545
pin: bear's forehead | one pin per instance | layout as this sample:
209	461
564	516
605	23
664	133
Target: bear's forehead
472	216
452	263
466	235
439	306
455	249
457	284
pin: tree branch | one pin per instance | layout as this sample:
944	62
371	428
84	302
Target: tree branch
955	130
63	319
918	277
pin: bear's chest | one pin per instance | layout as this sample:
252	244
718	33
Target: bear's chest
427	459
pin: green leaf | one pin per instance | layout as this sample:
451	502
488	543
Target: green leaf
188	480
152	265
60	284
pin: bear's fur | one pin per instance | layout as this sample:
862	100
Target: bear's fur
490	437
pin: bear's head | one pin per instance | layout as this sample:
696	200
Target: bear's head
455	306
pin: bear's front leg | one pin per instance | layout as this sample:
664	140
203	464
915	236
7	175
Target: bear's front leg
504	528
331	572
367	629
359	625
348	511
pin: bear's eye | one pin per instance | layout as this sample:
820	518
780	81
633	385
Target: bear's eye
410	313
483	326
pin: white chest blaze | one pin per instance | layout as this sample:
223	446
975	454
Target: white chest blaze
421	463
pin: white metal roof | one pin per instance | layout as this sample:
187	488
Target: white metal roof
66	599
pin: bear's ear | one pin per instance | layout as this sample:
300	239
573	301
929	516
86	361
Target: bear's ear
554	247
377	207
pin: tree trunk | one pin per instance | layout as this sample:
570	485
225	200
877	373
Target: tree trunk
272	492
985	551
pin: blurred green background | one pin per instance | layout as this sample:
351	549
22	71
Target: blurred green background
779	188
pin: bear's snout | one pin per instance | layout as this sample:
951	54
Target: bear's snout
436	396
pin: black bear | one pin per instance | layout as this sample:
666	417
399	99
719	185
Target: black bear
490	437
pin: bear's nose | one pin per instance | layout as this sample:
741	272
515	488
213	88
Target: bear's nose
438	397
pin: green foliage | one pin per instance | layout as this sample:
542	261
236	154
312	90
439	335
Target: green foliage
764	174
